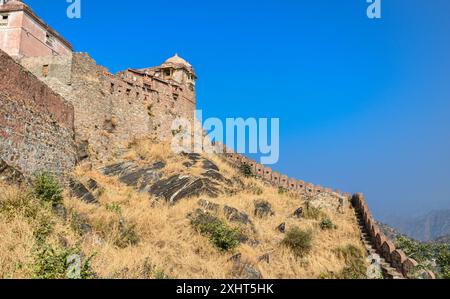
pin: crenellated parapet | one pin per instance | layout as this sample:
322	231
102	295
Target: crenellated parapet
385	247
276	179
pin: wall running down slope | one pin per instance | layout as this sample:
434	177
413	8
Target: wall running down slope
385	248
283	181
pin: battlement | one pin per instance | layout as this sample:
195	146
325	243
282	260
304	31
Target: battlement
395	257
283	181
111	110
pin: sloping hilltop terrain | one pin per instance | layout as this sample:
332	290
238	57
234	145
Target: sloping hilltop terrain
152	214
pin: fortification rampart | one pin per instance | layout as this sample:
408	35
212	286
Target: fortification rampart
384	247
283	181
112	110
36	124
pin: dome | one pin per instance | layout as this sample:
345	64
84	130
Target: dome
178	60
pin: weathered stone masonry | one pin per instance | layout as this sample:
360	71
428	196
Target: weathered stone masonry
283	181
36	124
110	110
113	110
396	257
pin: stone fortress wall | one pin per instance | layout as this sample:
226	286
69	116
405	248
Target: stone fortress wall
36	124
112	110
283	181
384	247
109	110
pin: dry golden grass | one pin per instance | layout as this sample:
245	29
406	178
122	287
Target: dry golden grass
168	245
16	247
22	219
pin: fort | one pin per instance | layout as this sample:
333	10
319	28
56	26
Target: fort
59	107
109	110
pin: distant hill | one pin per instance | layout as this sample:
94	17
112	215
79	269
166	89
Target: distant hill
389	231
443	239
429	227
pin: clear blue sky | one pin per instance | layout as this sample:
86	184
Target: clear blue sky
364	105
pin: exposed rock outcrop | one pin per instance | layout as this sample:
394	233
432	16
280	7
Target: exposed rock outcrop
183	186
77	189
329	201
263	209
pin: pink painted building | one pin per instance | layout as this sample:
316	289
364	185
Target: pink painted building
24	34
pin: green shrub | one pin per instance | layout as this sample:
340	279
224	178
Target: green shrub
80	224
246	170
221	235
47	189
355	267
282	190
114	207
55	263
421	252
253	188
257	191
354	271
160	274
327	275
326	223
298	241
443	261
126	237
425	253
314	213
45	227
24	203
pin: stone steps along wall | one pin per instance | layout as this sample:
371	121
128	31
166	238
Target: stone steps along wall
374	258
385	247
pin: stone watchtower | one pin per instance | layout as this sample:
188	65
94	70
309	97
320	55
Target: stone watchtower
173	81
174	71
24	34
179	70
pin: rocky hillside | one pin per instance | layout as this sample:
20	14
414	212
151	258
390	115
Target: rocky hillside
151	214
389	231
